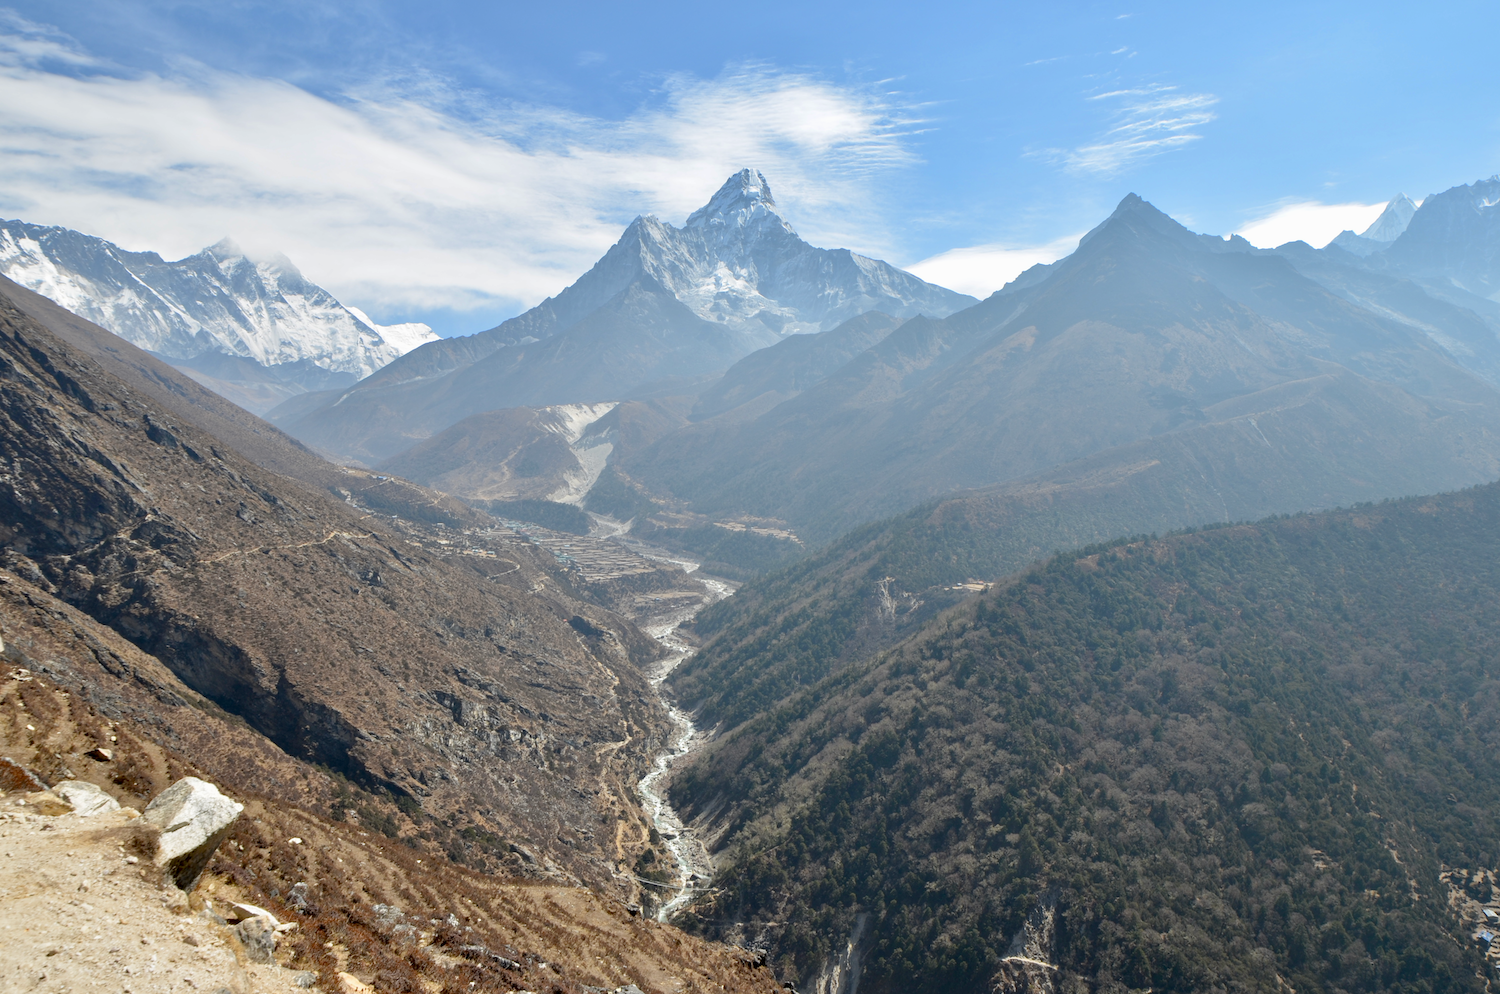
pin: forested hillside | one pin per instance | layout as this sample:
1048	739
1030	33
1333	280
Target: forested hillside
1252	757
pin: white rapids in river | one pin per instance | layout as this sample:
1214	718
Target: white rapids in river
694	867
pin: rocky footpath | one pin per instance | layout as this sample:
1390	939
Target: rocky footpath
88	897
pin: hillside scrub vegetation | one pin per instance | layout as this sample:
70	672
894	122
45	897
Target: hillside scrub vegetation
1243	758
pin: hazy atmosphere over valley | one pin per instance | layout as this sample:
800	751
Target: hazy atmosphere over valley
850	499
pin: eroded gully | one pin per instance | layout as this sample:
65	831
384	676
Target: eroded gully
689	855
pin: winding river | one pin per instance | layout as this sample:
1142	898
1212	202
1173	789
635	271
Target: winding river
694	867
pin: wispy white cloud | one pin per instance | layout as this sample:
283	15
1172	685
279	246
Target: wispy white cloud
24	42
1147	121
1310	221
982	269
416	198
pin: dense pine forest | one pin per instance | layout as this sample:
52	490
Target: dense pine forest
1252	757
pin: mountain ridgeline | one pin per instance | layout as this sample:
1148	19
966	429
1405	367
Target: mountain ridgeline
255	330
1232	383
1249	757
1148	340
664	309
1154	379
942	753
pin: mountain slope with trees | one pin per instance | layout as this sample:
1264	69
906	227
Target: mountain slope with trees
1252	757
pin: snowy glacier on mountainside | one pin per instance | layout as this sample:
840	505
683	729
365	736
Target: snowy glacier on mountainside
217	300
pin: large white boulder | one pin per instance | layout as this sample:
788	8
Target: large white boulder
193	818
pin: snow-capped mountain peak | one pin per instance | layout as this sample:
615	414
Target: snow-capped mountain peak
743	201
218	300
401	337
1392	221
738	262
225	249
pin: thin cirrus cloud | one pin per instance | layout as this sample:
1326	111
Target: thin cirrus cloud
1146	122
402	202
1309	221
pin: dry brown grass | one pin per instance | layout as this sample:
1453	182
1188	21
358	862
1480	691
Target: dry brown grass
87	688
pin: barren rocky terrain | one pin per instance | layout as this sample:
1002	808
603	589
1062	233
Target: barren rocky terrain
465	680
83	909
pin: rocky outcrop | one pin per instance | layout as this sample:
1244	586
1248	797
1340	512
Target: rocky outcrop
86	798
1028	966
258	937
193	818
841	973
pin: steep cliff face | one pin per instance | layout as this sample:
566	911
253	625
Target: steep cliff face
361	645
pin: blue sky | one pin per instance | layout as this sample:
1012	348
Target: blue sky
455	162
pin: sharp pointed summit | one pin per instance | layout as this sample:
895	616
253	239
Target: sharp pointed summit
1392	221
1454	238
664	304
743	199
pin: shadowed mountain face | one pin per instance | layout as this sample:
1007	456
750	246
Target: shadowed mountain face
465	686
1148	336
765	378
1250	390
662	309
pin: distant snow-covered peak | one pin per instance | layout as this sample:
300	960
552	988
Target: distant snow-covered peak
401	337
737	262
225	249
1392	221
744	200
218	300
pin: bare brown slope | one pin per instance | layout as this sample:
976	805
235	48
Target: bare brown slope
259	441
71	686
323	628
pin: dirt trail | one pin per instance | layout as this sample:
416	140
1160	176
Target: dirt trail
79	915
